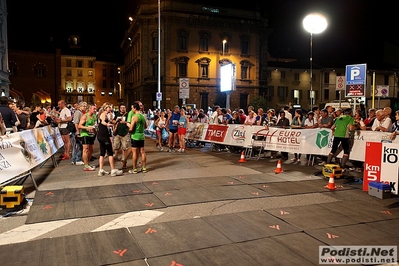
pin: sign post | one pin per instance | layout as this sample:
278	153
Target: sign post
184	89
355	81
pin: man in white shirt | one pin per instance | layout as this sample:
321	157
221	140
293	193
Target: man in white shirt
381	123
63	119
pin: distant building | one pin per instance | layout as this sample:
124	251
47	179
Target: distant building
4	75
196	40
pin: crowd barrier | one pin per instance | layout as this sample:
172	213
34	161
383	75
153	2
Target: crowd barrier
317	141
22	151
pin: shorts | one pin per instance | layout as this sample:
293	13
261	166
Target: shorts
88	140
137	143
122	142
64	131
173	131
181	131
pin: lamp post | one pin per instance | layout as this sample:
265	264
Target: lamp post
314	23
159	53
227	92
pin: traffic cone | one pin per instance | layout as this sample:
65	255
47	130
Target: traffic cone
242	158
331	183
279	169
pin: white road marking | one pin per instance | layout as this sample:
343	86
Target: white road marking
130	219
30	231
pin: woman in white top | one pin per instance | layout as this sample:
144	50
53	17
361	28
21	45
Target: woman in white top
160	125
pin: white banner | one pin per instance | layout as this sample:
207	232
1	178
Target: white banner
22	151
306	141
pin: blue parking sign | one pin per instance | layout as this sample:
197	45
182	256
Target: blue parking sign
355	80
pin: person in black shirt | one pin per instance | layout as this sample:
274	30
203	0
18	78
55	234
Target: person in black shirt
7	113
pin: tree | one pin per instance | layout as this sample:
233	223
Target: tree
258	102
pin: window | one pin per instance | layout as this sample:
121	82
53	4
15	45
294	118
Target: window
79	63
268	74
182	39
69	73
245	69
204	41
69	63
155	68
111	84
269	93
326	95
91	64
111	73
155	41
245	44
39	70
296	76
182	63
80	87
203	67
282	93
326	78
282	74
104	72
80	73
104	84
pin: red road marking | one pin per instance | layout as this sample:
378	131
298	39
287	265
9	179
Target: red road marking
277	227
149	204
168	194
386	212
137	191
150	231
154	183
332	236
49	193
47	207
255	193
120	252
174	263
283	212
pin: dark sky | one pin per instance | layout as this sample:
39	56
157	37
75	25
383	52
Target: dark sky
355	26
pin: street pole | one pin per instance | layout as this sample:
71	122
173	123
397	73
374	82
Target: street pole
159	52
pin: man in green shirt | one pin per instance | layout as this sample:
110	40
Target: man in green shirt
136	128
342	129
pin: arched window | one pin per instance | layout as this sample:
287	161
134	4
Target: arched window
245	69
181	65
203	67
204	41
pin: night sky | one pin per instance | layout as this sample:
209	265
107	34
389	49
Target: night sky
356	28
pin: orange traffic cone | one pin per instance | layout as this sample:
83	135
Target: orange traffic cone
279	169
331	183
242	158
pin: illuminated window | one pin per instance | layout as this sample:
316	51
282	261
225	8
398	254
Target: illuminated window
155	41
182	63
245	69
203	67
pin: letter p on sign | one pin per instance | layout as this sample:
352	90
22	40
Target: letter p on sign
355	72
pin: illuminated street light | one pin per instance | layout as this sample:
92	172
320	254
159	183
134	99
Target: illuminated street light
313	23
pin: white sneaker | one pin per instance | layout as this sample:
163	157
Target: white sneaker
102	172
80	163
116	172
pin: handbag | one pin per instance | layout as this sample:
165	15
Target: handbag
165	134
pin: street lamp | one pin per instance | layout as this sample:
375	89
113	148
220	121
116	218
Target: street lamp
313	23
224	45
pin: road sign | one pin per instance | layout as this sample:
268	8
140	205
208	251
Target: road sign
382	91
340	83
184	88
159	96
355	80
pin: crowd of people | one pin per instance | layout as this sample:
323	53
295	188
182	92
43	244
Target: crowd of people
121	133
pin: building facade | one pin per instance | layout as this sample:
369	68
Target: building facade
196	40
4	74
